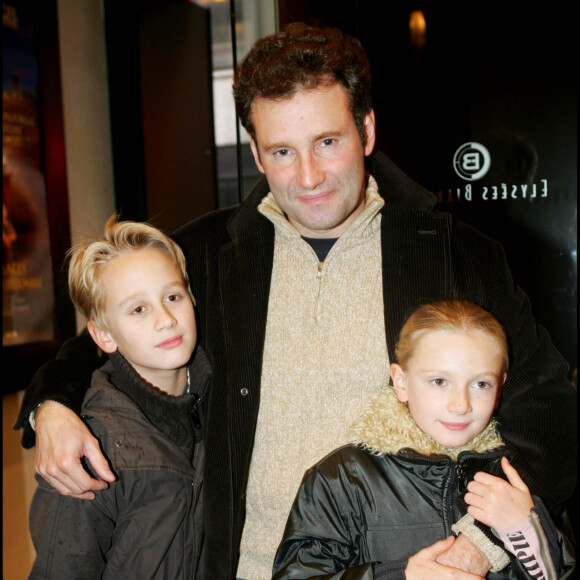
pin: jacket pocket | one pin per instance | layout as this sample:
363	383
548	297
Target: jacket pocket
391	543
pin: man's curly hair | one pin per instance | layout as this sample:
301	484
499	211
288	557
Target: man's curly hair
303	57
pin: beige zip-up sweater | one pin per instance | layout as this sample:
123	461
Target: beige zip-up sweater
325	359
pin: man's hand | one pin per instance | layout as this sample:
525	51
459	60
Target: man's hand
62	439
424	564
465	556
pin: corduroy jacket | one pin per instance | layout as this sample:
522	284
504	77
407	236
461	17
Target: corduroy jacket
426	256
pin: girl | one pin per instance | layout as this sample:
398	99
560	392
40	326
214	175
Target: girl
426	460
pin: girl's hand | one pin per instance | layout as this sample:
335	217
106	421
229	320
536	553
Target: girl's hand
497	503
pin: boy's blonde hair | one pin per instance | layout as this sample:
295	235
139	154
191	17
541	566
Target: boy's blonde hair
450	315
90	257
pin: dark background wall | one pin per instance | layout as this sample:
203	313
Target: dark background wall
160	95
504	76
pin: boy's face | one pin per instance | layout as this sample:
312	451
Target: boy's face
311	152
150	317
451	385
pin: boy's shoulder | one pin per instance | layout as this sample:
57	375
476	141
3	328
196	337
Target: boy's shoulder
103	396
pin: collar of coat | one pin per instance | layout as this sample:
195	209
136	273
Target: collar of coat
387	427
170	414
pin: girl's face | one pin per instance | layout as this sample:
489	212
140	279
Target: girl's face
451	385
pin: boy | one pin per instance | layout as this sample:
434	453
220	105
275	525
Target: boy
385	507
144	406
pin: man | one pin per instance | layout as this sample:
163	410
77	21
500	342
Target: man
301	292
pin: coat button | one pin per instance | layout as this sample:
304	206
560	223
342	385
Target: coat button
119	443
244	392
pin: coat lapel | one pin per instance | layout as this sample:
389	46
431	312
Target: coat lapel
245	273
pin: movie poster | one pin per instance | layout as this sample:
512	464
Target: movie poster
28	293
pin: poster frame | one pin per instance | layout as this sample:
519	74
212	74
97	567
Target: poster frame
20	362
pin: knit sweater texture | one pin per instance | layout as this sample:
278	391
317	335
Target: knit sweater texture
321	367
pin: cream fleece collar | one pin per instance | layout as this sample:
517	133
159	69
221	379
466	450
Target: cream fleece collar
387	427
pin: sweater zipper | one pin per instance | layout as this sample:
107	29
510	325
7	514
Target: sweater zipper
319	276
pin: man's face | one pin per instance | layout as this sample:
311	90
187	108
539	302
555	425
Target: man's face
311	153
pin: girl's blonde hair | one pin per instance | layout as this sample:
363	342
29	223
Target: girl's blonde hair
90	257
450	315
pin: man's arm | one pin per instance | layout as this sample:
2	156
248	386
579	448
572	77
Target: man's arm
537	414
538	410
464	555
431	562
62	441
65	380
62	438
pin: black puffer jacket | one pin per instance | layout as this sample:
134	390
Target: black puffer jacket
362	512
147	524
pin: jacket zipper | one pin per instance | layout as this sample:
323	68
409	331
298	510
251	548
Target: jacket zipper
455	484
194	417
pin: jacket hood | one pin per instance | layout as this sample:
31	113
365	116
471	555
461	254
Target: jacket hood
386	427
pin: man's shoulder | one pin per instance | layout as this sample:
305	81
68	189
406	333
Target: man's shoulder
399	191
214	223
470	241
219	225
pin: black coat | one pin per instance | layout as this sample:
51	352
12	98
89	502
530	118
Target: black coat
145	524
425	256
368	514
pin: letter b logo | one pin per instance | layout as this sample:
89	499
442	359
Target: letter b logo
471	161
